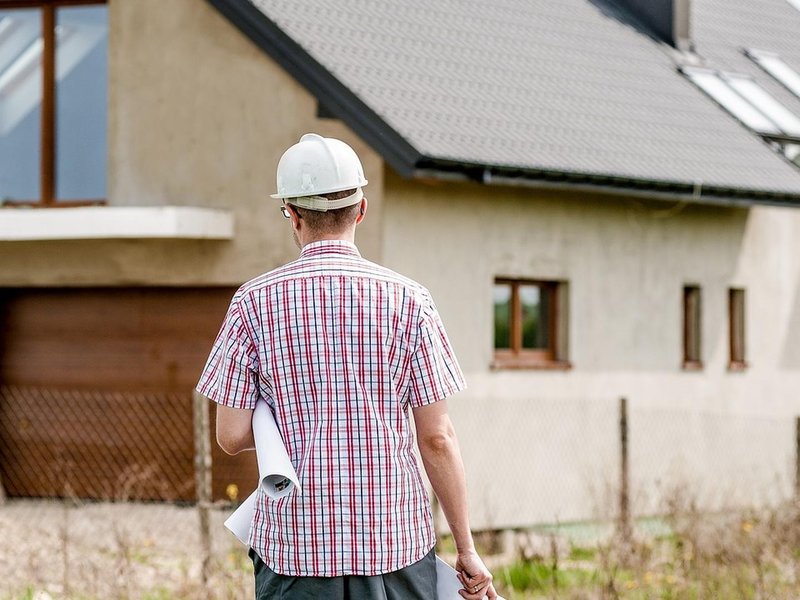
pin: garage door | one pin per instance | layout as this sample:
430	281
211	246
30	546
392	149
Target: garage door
96	392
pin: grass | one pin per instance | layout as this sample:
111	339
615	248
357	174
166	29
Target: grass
543	579
684	555
738	555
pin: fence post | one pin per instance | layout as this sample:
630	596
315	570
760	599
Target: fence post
202	470
624	524
797	458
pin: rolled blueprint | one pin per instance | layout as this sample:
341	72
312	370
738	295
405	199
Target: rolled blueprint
276	475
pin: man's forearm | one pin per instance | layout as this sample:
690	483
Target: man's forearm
235	429
442	459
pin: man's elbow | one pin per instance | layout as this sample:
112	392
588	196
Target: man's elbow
440	443
233	443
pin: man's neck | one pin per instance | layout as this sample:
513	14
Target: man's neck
347	236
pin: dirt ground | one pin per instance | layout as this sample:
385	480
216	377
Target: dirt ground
54	549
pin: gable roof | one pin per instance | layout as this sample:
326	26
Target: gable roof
575	92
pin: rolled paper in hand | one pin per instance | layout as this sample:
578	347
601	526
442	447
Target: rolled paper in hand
276	475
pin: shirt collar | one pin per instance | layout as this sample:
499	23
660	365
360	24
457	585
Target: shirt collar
336	247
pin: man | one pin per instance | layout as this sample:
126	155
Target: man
341	348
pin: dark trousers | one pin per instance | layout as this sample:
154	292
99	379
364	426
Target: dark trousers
414	582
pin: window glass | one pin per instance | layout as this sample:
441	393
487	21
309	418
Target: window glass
792	152
533	301
719	90
773	109
81	84
736	318
20	104
775	66
502	315
691	325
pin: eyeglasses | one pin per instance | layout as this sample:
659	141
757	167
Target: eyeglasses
287	215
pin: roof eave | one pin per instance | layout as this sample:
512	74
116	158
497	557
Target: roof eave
321	83
602	184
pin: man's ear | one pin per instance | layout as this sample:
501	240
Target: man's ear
362	210
295	216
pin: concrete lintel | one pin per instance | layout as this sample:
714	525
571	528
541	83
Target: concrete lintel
115	222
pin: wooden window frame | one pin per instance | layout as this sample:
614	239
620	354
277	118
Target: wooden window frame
47	143
737	341
692	329
517	357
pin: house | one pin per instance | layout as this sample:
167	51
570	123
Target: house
601	195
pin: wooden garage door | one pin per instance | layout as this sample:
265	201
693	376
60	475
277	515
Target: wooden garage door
96	392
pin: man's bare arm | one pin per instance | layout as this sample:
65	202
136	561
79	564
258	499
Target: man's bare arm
235	429
441	456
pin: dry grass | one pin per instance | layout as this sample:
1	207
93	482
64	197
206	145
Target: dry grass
123	550
744	554
116	550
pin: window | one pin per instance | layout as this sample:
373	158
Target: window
792	152
692	358
711	83
736	328
786	121
530	324
753	106
774	65
53	81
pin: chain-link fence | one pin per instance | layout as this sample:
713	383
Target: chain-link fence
103	486
578	461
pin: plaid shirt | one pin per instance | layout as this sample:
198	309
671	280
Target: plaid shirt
340	348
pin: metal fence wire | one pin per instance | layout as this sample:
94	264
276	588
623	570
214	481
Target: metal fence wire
96	445
103	500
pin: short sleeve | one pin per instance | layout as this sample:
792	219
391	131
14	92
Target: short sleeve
435	373
230	376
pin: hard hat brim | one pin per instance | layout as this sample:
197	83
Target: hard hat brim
279	196
322	204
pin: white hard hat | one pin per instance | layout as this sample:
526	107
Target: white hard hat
315	166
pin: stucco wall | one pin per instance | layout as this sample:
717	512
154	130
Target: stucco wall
543	445
198	116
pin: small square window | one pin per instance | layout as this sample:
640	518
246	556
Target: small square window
736	329
529	324
692	358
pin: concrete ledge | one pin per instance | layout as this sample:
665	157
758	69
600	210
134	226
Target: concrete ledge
115	222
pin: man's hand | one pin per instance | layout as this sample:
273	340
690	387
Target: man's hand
475	577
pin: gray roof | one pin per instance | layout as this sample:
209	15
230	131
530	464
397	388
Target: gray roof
576	88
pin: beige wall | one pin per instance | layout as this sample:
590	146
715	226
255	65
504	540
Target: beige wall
198	116
541	445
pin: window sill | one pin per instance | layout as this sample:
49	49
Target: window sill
692	365
508	363
117	222
737	366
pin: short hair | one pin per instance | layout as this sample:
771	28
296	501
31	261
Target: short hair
331	221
